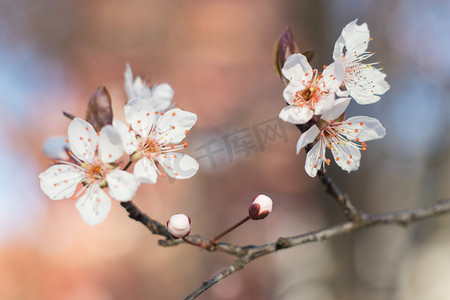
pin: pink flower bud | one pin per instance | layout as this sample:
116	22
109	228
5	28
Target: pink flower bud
260	208
179	226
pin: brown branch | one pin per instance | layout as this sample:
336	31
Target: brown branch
246	254
350	211
207	284
136	214
249	253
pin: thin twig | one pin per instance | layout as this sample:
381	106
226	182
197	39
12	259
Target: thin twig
136	214
350	211
250	252
207	284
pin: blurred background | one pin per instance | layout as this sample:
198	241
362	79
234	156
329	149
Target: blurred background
218	57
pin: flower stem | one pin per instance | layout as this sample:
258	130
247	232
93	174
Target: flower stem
214	239
127	166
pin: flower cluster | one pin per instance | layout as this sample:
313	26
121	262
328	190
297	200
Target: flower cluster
89	159
319	99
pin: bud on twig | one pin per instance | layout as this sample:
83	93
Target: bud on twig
99	112
284	47
260	208
179	226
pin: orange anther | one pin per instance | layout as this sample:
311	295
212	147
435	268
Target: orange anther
173	127
185	144
148	114
67	141
362	123
187	131
315	166
172	147
348	161
173	114
337	158
356	130
349	123
364	149
156	113
328	161
357	139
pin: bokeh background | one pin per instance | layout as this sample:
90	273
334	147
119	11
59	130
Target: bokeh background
217	55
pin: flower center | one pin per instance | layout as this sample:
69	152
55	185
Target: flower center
150	146
308	96
95	171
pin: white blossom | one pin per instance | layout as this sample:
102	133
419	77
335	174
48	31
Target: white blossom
308	92
160	95
93	155
154	140
345	139
363	82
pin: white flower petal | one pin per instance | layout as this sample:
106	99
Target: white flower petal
333	75
162	95
314	158
110	144
340	105
60	181
128	137
307	137
297	68
356	38
174	124
325	103
122	185
362	128
140	115
145	171
129	82
94	205
179	165
295	114
56	148
338	52
346	156
367	85
141	89
291	89
83	139
344	93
